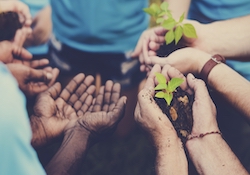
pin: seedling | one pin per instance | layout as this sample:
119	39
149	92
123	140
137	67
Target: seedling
165	88
176	29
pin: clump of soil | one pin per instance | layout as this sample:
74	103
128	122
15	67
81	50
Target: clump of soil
9	23
165	49
179	112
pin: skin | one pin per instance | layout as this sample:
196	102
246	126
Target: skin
97	123
171	157
32	81
42	27
210	154
54	108
207	41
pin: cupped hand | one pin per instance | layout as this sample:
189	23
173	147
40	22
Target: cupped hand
55	108
32	81
148	43
204	110
104	114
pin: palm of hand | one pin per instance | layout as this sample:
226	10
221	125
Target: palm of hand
103	116
56	110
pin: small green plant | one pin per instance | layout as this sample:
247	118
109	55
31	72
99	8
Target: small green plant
176	29
166	89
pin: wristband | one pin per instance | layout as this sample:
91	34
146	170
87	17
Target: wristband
209	65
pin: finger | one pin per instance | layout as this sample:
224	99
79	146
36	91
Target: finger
21	53
150	82
153	46
81	89
72	86
115	95
97	106
145	51
198	86
158	60
39	63
118	111
165	71
54	90
39	75
55	73
107	95
85	106
174	73
138	48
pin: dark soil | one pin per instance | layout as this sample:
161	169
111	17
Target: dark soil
179	112
9	23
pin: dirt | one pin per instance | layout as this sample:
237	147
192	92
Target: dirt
179	112
9	23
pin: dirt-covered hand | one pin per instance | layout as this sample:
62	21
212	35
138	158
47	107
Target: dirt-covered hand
104	114
204	111
147	112
32	81
55	108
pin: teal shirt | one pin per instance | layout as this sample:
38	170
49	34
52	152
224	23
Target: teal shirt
99	26
206	11
35	6
17	157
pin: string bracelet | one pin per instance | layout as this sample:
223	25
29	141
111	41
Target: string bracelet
190	137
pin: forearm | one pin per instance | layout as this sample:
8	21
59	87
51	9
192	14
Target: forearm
170	157
212	155
232	86
70	155
230	38
178	7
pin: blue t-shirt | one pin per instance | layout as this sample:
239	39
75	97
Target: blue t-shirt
16	153
206	11
99	26
35	6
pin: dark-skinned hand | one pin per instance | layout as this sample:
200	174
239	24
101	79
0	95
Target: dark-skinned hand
104	114
33	81
55	108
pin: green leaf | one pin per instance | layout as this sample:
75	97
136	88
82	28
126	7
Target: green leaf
161	86
189	31
164	6
178	34
169	37
169	23
160	78
168	97
182	18
149	11
159	20
174	83
160	94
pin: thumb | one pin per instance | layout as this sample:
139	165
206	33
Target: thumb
162	61
40	75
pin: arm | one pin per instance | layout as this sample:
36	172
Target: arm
232	86
98	123
170	157
210	153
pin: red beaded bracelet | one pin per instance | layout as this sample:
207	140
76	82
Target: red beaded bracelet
190	137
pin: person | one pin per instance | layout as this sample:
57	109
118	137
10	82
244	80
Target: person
37	41
207	149
97	38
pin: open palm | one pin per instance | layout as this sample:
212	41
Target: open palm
54	109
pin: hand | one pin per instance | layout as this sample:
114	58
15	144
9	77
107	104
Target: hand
147	45
186	60
204	111
32	81
54	109
148	114
19	7
104	114
10	52
42	27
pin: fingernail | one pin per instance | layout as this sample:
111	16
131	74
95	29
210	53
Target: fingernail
49	76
